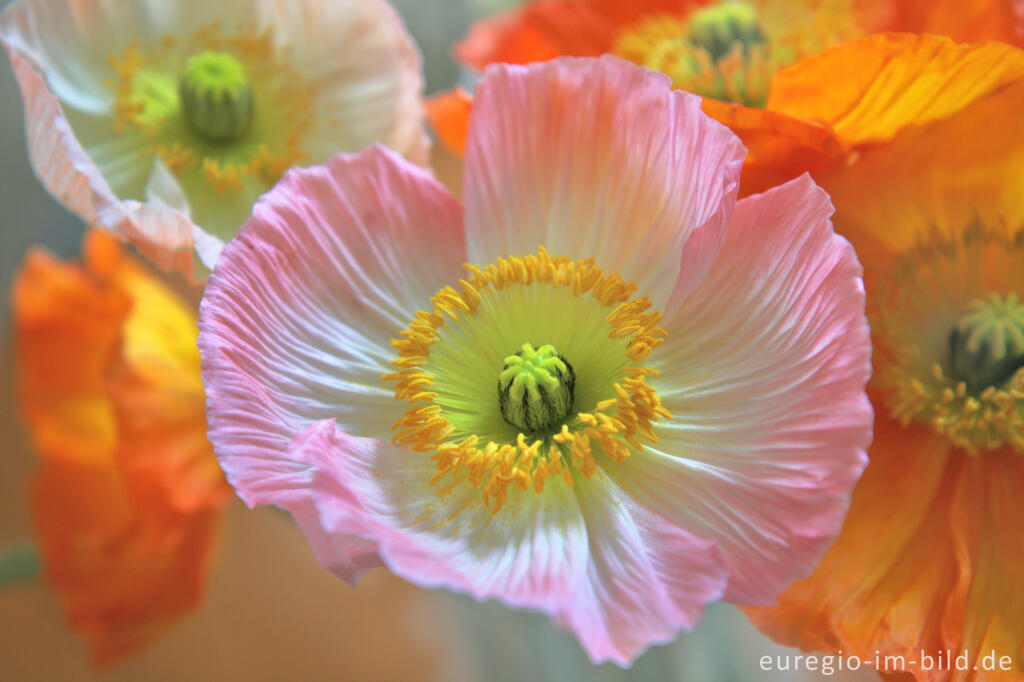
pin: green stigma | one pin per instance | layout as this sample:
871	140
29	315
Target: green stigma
718	27
215	97
987	343
535	389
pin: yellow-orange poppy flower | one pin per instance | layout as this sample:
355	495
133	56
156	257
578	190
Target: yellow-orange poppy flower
927	577
734	53
128	493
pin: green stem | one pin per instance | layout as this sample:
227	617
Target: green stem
18	564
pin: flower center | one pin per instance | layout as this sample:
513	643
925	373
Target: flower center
730	50
215	96
950	343
718	28
551	419
536	388
226	113
987	344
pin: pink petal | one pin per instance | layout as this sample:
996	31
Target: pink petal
596	158
347	556
296	321
529	554
646	580
764	371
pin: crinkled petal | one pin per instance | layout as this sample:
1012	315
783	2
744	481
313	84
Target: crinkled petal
922	562
369	91
347	556
296	322
73	178
946	176
646	579
882	83
764	371
596	158
529	554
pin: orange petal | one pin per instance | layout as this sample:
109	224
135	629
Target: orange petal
964	21
925	551
870	89
947	175
67	326
779	147
126	498
123	573
448	114
987	517
546	29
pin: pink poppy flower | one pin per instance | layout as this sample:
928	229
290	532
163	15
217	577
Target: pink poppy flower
645	396
164	121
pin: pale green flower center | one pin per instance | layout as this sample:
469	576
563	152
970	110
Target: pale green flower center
987	343
535	388
216	99
552	421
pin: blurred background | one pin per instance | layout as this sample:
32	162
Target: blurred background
271	612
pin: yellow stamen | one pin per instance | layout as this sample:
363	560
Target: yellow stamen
931	327
615	426
148	98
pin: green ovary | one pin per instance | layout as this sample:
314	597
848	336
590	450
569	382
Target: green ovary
470	357
987	343
216	99
536	389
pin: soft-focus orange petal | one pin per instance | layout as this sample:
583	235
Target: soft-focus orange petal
67	326
779	147
870	89
946	176
929	559
964	21
127	495
157	394
448	114
123	573
545	29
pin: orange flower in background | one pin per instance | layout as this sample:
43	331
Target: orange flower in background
127	497
738	55
931	557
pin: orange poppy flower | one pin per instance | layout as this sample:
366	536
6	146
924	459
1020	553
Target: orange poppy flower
127	495
734	53
930	562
